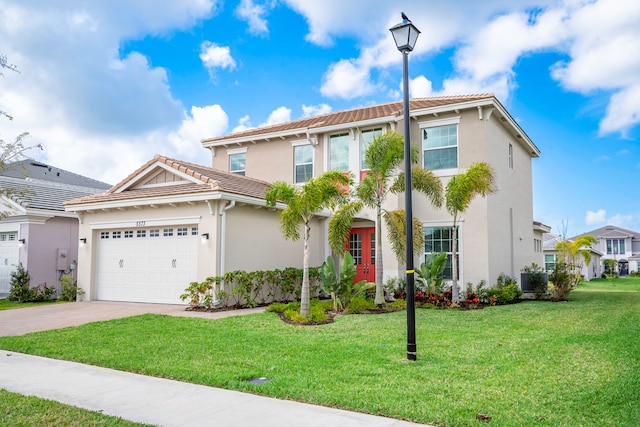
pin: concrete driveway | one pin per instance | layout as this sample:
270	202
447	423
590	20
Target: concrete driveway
54	316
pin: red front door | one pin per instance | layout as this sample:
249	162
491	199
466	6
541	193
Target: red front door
362	246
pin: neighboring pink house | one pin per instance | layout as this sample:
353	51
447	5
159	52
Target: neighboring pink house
35	230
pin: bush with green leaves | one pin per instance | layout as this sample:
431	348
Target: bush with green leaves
318	311
341	286
505	291
69	290
20	281
561	278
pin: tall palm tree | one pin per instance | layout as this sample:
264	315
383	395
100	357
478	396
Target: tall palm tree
303	202
383	157
477	180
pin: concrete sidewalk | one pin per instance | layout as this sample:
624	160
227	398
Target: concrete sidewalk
164	402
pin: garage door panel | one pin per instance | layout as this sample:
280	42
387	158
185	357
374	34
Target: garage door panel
8	259
146	269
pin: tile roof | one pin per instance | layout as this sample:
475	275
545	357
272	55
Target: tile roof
211	180
391	109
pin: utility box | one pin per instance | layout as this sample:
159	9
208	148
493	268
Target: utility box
61	259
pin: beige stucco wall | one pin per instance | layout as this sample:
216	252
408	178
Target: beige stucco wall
254	241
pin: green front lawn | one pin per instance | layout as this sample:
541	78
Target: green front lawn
534	363
18	410
5	304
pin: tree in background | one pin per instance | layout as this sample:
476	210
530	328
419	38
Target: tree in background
383	157
10	151
303	202
477	180
576	254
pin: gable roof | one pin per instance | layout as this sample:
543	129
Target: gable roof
612	232
364	116
189	179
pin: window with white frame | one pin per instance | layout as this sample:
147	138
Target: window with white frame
339	152
549	262
440	146
366	138
615	246
303	163
237	163
440	239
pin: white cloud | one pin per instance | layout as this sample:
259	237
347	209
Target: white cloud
315	110
623	111
596	218
214	56
243	124
96	112
279	115
254	15
619	220
420	87
347	79
204	122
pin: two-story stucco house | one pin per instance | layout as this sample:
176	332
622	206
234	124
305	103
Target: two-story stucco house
171	215
496	234
618	244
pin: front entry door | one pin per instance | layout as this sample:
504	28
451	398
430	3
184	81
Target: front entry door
362	247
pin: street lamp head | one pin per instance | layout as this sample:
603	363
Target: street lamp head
405	34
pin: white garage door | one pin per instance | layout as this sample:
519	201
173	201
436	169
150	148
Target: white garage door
146	265
8	259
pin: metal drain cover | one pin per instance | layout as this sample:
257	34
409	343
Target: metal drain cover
260	380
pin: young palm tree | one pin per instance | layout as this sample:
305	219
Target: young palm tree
478	180
303	202
570	252
383	157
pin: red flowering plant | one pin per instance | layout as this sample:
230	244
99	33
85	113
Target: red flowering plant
472	300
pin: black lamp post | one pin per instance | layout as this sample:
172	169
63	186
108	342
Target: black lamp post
405	35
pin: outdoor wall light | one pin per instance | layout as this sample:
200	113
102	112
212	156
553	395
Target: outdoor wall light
205	237
21	242
83	241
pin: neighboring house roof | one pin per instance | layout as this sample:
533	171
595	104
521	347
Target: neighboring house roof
550	240
35	185
365	116
196	179
612	232
34	170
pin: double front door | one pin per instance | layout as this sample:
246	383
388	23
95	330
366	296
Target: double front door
362	247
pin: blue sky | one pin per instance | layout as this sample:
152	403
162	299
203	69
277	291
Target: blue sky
105	85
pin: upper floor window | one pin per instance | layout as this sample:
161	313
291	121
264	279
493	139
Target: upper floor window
303	163
615	246
440	147
339	152
237	163
366	138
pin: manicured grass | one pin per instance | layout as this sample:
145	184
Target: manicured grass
5	304
19	410
536	363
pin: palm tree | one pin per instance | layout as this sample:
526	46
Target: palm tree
303	202
477	180
570	252
383	157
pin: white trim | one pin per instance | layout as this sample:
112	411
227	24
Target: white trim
241	150
133	182
439	122
143	223
301	143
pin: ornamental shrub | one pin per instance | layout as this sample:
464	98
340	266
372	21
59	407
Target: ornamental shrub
505	291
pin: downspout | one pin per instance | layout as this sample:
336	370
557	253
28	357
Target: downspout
223	235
